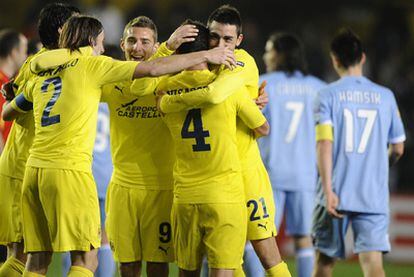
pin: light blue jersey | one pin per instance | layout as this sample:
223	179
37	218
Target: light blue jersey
102	163
289	151
365	119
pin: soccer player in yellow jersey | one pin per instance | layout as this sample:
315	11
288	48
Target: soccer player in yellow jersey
209	214
225	30
59	199
16	151
139	198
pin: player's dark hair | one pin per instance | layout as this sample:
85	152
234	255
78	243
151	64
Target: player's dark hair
142	22
226	14
289	49
51	18
79	31
347	48
9	40
199	43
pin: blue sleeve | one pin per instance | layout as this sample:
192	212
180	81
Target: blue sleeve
396	133
324	108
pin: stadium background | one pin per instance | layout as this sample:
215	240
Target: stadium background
385	26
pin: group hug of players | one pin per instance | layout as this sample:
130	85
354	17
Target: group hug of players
188	179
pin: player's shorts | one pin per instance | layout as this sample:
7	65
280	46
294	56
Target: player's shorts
370	232
217	230
60	210
299	207
138	224
102	212
10	210
260	203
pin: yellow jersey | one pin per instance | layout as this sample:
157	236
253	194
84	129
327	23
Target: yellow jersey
205	141
141	145
16	151
227	83
65	104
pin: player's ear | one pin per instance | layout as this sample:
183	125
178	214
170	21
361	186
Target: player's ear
239	40
363	58
122	44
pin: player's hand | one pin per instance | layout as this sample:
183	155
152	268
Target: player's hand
221	55
8	90
184	33
263	98
332	202
160	94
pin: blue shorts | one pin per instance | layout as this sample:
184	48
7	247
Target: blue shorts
102	212
370	232
299	207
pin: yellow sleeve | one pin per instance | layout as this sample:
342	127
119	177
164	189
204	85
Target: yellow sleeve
324	132
247	110
162	51
24	101
106	70
146	86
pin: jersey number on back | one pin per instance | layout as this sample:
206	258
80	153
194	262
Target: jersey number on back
198	134
369	116
297	109
46	119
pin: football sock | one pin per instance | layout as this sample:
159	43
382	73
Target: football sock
78	271
66	263
32	274
106	266
252	265
305	259
204	268
279	270
12	268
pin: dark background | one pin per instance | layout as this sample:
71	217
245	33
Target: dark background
386	27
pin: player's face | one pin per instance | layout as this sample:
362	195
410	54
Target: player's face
20	54
138	44
224	35
270	56
98	44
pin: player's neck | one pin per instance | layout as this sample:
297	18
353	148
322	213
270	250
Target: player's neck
7	67
355	71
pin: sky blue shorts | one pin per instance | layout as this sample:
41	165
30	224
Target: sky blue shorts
297	206
370	232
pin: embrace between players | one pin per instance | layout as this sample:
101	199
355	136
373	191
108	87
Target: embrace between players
181	181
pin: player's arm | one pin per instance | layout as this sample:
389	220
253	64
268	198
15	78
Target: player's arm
324	157
227	83
250	114
396	135
395	151
21	104
176	63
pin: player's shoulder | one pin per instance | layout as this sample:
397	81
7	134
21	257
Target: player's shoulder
274	76
243	58
315	80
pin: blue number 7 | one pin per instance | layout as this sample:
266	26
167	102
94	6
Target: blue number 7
46	119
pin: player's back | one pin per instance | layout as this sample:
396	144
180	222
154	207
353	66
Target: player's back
365	119
207	161
289	151
65	104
